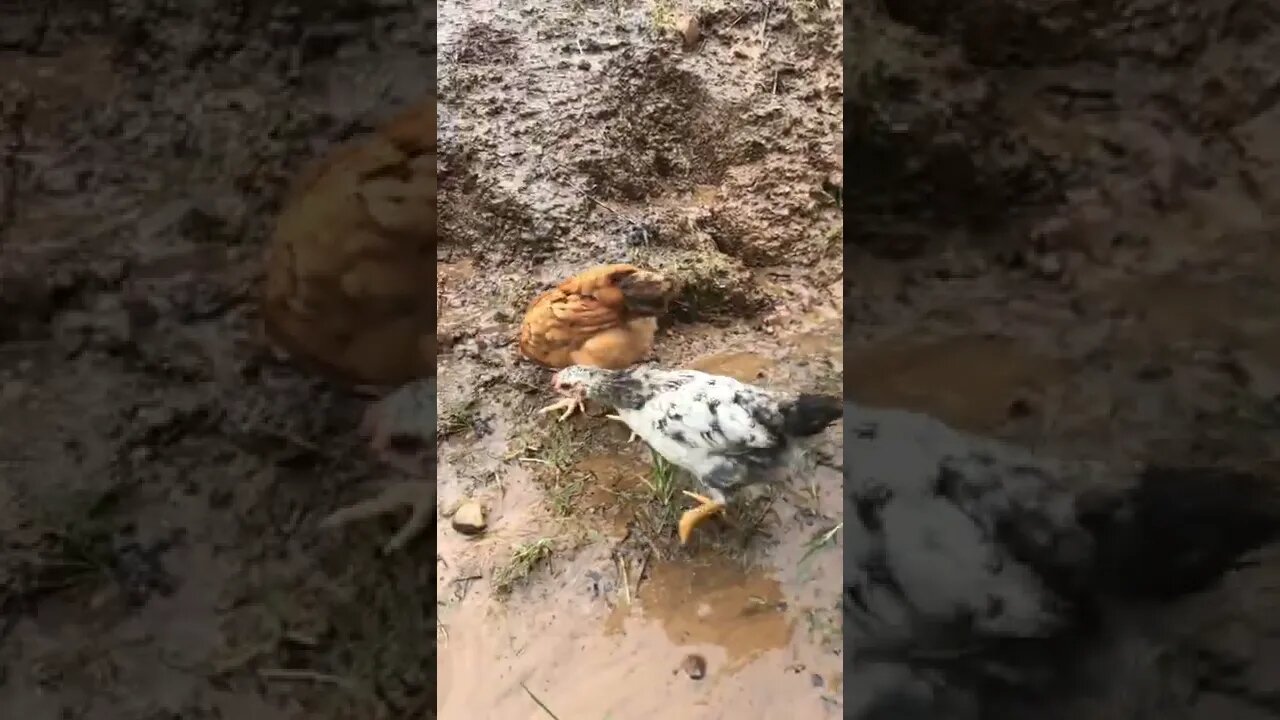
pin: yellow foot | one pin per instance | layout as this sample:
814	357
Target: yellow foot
624	422
695	517
569	405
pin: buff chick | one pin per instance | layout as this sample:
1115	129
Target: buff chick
604	317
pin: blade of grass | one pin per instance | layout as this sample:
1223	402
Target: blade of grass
541	704
815	545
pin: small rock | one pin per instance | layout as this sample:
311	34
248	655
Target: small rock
689	30
695	666
469	519
1049	267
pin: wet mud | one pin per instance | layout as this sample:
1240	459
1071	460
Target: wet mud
577	135
163	472
1058	238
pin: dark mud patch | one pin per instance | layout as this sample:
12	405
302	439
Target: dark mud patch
164	474
661	131
1057	239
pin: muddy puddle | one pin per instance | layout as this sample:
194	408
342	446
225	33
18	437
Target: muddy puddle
609	626
600	636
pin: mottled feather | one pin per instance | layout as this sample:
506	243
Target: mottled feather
721	430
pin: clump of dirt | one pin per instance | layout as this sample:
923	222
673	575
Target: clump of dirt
484	44
661	130
711	284
799	223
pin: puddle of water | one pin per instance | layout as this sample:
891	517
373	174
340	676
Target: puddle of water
969	382
818	342
511	499
768	634
741	614
746	367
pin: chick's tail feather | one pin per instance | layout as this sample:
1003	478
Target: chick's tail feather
1180	529
810	414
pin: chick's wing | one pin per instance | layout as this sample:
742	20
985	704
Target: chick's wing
350	279
720	414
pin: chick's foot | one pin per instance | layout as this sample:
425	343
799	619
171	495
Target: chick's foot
696	516
569	405
418	496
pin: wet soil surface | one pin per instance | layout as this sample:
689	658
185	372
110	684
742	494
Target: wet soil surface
162	473
165	474
1062	234
578	134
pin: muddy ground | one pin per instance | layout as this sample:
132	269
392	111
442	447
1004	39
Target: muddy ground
165	473
1062	233
576	134
1064	241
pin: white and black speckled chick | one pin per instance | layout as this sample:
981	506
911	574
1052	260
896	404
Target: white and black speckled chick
726	433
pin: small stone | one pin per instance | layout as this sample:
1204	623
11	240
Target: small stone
689	30
469	519
695	666
1050	266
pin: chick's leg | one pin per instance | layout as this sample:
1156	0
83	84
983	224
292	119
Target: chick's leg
696	516
419	497
569	405
633	436
406	418
721	479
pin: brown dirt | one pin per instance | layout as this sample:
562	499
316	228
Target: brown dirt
1066	243
163	474
1062	235
573	135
